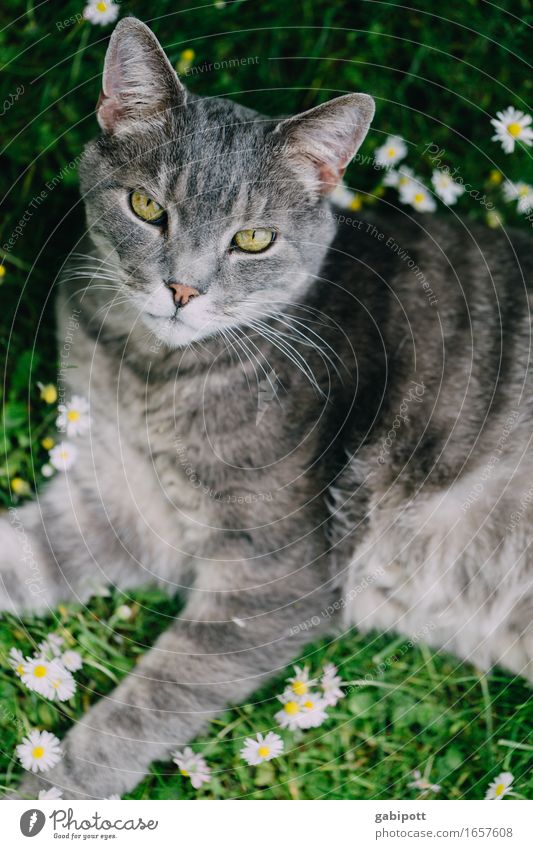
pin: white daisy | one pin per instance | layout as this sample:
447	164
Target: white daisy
258	749
415	193
521	192
510	190
192	766
62	456
55	641
445	187
292	713
71	660
511	126
47	470
37	672
314	707
300	712
74	418
391	178
63	685
100	12
331	685
525	198
342	196
300	683
51	793
16	661
502	784
398	178
391	152
49	678
52	646
124	611
422	784
39	751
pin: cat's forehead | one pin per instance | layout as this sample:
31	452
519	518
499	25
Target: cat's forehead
214	155
216	163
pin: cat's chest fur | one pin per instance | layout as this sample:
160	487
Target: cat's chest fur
185	461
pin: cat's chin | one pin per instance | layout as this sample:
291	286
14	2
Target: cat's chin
174	332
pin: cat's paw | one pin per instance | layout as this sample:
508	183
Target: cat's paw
89	767
25	583
70	786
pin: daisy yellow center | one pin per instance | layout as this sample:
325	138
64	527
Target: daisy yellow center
20	669
309	704
391	152
419	197
184	772
64	455
19	486
40	671
523	191
263	751
2	270
291	708
37	752
300	688
514	129
500	788
403	180
73	415
102	7
49	394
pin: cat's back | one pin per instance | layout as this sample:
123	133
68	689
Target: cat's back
437	489
436	318
455	266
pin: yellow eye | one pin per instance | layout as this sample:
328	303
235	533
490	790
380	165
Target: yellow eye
254	241
146	208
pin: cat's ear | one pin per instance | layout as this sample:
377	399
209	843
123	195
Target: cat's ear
139	84
321	142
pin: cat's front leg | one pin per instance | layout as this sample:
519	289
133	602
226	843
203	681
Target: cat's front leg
192	673
62	547
30	578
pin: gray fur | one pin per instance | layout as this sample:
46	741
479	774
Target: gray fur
401	378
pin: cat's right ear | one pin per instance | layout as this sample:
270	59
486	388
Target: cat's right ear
139	84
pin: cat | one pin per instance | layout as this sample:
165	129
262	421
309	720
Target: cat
302	420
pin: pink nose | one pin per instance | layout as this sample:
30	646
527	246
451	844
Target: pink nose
182	294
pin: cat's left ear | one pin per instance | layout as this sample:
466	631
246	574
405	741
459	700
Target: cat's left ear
321	142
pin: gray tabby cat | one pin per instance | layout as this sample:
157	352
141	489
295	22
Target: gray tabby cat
385	482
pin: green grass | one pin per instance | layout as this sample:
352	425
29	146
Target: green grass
438	76
405	709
